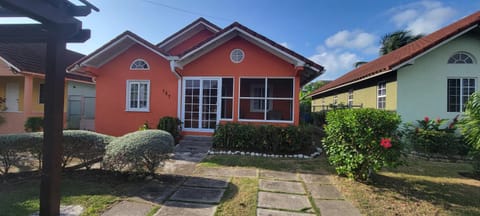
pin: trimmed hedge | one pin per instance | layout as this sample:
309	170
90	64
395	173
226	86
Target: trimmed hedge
33	124
264	138
359	142
139	151
84	145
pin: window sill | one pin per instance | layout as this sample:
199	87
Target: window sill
131	110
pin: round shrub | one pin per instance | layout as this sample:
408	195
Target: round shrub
361	141
13	145
139	151
84	145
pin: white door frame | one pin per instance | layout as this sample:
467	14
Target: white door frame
12	95
200	112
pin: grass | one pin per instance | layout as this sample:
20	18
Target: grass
419	188
23	198
240	198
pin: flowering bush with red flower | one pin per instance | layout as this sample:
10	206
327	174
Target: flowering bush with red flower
359	142
437	136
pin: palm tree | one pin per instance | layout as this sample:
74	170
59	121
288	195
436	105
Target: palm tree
470	125
397	39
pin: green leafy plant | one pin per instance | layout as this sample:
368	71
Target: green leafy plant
470	126
33	124
430	136
359	142
141	151
171	125
144	126
263	138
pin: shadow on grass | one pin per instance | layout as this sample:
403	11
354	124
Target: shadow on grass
95	189
458	197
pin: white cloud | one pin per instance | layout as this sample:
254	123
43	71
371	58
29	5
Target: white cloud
285	44
351	39
422	17
336	62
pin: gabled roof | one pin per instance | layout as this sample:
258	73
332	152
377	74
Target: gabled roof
31	58
113	48
312	69
401	56
188	31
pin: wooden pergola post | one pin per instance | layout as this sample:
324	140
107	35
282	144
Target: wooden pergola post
58	26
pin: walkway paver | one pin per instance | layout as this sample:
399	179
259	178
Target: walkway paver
336	207
323	191
312	178
211	182
195	194
278	175
283	201
68	210
172	208
129	208
156	193
269	212
281	186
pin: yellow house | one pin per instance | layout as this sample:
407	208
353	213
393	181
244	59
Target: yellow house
22	83
432	76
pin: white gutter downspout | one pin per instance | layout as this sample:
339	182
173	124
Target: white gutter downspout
173	66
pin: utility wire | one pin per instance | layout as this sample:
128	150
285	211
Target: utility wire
186	11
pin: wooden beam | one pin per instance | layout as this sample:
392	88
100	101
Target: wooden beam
37	33
53	124
43	12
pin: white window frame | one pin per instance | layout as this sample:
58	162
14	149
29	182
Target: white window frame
128	95
139	59
350	98
469	55
253	105
461	91
266	99
384	96
231	98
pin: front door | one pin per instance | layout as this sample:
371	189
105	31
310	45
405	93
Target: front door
200	103
12	97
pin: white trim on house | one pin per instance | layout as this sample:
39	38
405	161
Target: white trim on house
461	90
190	56
232	98
179	98
140	69
10	64
209	27
384	96
127	96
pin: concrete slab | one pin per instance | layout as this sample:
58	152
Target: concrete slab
336	207
210	171
69	210
128	208
210	182
323	191
278	175
172	208
315	178
201	195
156	192
282	186
284	201
269	212
245	172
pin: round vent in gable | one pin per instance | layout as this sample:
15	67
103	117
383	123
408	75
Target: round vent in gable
237	55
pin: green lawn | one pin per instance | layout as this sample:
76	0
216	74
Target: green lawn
94	193
419	188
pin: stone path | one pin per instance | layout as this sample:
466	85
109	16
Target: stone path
193	191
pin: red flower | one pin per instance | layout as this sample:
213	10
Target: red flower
438	120
386	143
426	119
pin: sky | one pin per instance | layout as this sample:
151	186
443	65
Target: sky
333	33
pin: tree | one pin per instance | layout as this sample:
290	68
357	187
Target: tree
309	88
359	63
470	125
396	39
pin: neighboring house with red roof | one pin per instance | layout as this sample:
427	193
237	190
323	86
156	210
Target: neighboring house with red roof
433	76
21	84
203	74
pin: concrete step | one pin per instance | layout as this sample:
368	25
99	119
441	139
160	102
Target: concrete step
198	138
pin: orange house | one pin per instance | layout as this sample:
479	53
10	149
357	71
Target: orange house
204	75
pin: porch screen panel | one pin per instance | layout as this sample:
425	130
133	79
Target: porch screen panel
280	97
227	98
252	98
